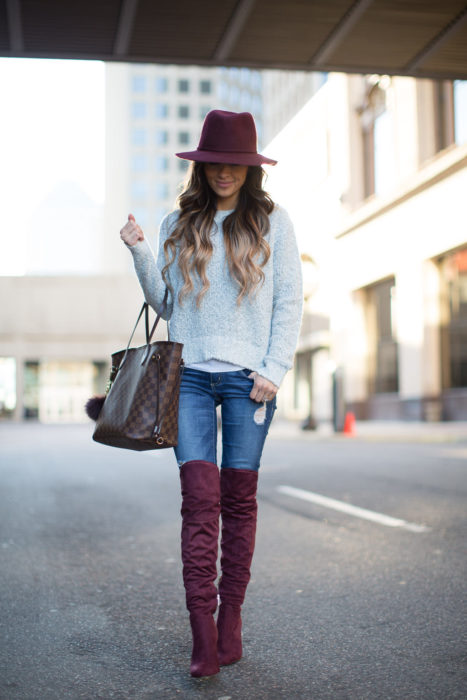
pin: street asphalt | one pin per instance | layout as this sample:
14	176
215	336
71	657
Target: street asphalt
339	607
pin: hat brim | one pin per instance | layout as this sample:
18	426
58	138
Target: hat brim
231	158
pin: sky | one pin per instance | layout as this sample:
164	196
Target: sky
52	129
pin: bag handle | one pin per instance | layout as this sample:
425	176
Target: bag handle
162	308
149	335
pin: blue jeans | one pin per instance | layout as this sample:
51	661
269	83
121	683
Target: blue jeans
245	423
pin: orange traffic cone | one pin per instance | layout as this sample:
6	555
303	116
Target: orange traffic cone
349	424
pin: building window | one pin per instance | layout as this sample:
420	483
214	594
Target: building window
183	111
205	87
234	94
161	110
183	165
246	101
161	85
203	110
139	190
161	164
31	389
138	137
460	111
183	85
139	163
224	91
453	270
162	137
61	387
255	80
378	138
183	137
302	382
257	106
381	319
244	76
450	113
138	110
100	376
444	114
138	83
259	133
7	386
162	190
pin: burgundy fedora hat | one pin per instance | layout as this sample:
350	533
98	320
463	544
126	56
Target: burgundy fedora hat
228	137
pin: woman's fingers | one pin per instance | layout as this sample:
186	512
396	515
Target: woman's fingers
263	389
131	233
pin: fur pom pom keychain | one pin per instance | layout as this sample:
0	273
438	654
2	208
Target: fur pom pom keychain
93	406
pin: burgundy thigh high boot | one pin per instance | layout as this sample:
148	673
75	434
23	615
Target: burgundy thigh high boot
239	511
200	533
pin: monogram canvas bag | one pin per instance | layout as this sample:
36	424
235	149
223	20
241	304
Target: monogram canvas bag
140	409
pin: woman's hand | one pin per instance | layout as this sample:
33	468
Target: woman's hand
131	233
263	389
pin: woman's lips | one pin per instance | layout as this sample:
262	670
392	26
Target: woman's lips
224	184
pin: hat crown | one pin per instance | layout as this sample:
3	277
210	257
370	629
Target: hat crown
228	132
228	137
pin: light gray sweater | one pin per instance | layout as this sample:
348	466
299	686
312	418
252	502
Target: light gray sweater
261	334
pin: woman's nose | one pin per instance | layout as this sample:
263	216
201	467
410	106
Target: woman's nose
225	169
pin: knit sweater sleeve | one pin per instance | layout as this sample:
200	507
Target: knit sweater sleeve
149	270
287	303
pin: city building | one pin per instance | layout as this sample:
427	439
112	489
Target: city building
374	174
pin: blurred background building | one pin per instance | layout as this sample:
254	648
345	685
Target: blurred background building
374	172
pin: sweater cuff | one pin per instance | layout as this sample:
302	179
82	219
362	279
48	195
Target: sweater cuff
273	371
140	249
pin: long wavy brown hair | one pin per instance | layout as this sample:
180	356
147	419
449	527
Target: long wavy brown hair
244	231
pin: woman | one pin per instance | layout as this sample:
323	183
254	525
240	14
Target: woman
229	258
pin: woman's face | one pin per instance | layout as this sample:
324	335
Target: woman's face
226	181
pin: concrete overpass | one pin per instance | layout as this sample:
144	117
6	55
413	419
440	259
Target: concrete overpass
398	37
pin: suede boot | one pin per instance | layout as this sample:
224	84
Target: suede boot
200	532
239	514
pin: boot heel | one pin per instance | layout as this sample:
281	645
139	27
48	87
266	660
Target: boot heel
229	627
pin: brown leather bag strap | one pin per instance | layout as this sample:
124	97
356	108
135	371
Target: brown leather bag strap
145	310
162	308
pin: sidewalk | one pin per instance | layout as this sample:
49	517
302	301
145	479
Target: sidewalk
377	430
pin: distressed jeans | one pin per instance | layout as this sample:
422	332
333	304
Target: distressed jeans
245	423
